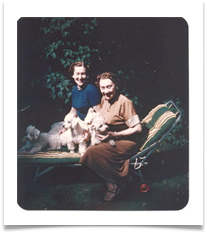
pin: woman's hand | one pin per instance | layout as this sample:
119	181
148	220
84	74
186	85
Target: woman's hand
127	132
85	136
62	131
104	137
139	128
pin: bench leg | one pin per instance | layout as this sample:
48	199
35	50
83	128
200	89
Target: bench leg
143	185
137	173
40	173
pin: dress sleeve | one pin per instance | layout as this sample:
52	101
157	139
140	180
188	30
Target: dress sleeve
129	114
94	96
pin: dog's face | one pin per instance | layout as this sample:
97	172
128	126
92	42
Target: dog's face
32	133
90	116
68	121
98	124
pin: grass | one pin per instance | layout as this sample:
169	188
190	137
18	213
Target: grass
82	189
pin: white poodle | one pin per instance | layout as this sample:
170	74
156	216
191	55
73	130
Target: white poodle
65	137
37	141
97	125
78	133
91	114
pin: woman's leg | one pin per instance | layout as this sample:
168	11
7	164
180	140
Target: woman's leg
112	191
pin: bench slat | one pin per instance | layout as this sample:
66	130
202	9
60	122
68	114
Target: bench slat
51	157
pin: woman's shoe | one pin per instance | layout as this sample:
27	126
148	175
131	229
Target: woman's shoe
110	195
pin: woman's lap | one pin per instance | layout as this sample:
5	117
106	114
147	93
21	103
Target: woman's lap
110	161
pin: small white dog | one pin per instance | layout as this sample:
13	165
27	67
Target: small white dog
37	141
64	137
78	133
97	125
91	114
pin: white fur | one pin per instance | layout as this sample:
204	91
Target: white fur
79	135
91	114
74	134
56	127
98	126
37	141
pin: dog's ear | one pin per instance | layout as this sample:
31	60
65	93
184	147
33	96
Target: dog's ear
90	110
67	117
74	122
29	129
37	133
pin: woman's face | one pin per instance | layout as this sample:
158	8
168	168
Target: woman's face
107	88
79	75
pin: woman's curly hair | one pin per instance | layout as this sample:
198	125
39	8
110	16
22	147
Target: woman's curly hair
107	75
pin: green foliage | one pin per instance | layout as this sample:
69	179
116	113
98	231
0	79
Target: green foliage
59	85
68	42
148	55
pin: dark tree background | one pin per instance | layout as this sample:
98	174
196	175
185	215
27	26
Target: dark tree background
150	55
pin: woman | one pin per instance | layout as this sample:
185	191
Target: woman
84	95
112	163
